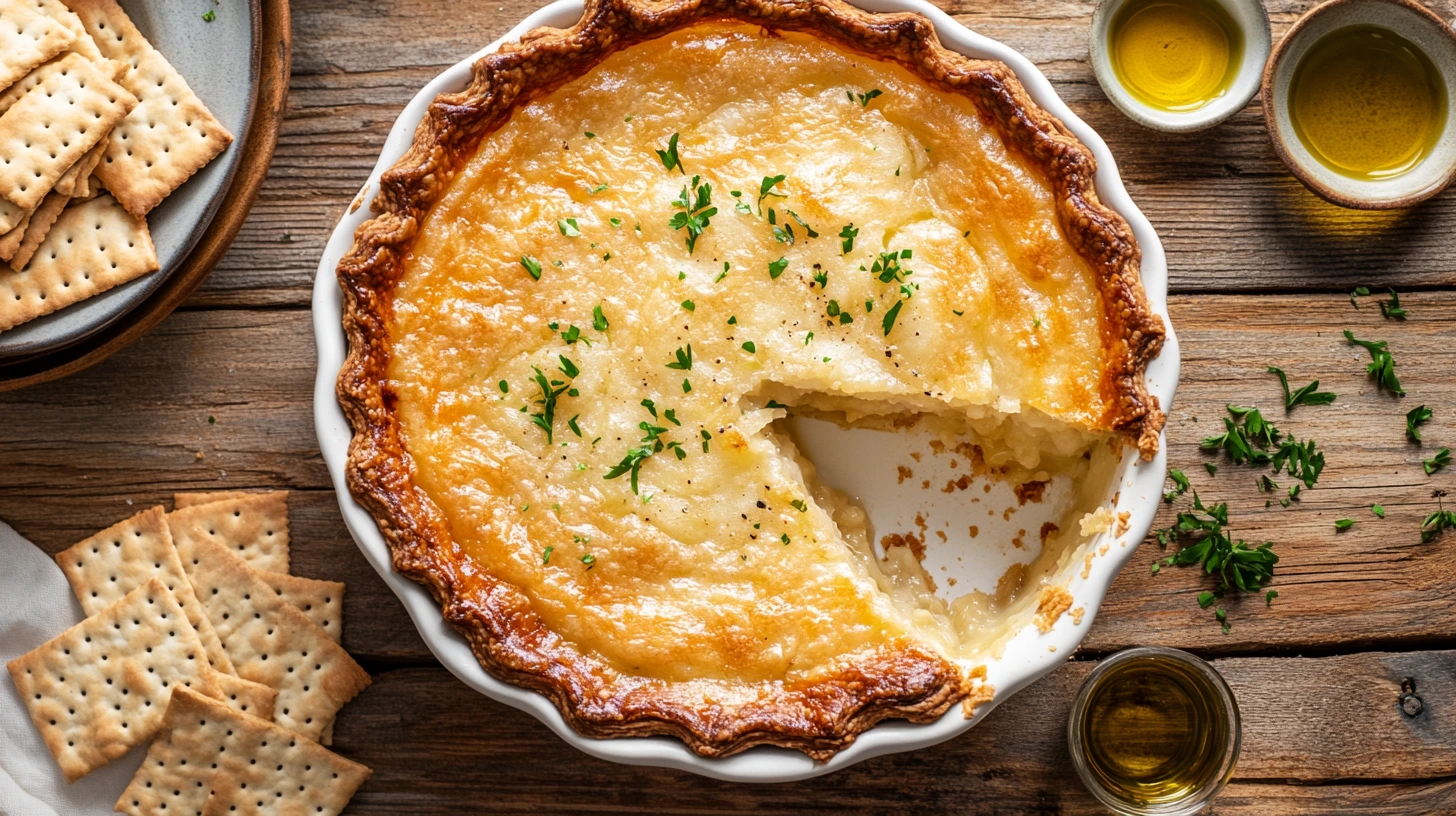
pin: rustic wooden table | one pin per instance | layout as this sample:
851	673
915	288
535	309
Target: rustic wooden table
220	396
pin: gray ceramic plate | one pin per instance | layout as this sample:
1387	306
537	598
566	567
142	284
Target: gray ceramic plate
220	60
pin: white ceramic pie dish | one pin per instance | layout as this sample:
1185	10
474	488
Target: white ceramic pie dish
1027	656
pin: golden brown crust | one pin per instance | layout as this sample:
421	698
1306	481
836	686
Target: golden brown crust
818	716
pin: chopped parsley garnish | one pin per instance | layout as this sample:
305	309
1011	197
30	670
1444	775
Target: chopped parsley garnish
1180	484
568	227
1305	395
888	322
784	234
1416	417
532	265
670	414
865	98
590	560
733	320
651	407
687	386
1344	524
208	16
684	361
766	189
723	274
615	222
1391	309
573	334
784	538
1437	523
774	404
776	268
505	387
596	189
697	208
1252	440
1270	596
798	504
1439	461
546	555
1359	291
847	235
1382	365
568	367
1377	510
869	306
590	135
749	347
707	437
1205	542
689	305
576	429
1211	468
833	310
670	158
551	390
808	230
599	320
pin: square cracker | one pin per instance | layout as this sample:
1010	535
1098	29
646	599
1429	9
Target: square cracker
166	138
210	759
27	39
10	242
113	70
38	226
94	246
270	641
70	180
181	500
61	13
245	696
321	601
54	124
102	686
252	526
126	555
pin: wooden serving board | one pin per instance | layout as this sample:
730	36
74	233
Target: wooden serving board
220	396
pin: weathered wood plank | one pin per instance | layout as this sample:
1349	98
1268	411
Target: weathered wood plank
1310	721
133	428
1230	215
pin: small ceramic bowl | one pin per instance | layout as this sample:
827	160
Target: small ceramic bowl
1253	22
1410	20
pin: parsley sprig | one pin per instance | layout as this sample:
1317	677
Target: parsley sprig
1390	309
1205	542
1250	438
1438	462
1382	365
697	208
1414	418
670	158
684	358
551	391
1436	523
1306	395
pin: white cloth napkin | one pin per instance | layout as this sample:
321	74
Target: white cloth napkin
36	604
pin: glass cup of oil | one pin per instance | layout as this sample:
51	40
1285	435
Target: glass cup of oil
1154	731
1357	97
1179	65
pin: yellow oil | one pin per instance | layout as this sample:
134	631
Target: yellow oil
1155	732
1175	55
1367	103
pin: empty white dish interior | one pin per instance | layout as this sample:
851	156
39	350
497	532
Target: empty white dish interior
1253	24
1024	654
1435	169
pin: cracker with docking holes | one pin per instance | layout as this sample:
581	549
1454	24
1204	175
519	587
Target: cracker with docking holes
252	526
270	641
102	686
246	696
54	124
181	500
38	226
10	242
126	555
27	39
168	136
210	759
94	246
321	601
61	13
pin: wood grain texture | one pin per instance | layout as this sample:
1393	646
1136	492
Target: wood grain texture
1344	728
1230	215
196	406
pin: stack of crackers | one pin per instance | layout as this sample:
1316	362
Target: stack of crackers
200	641
96	128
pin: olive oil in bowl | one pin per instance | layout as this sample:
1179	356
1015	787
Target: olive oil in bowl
1154	731
1175	55
1367	103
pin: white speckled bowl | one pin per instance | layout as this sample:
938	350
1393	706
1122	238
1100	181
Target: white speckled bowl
1252	20
1029	654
